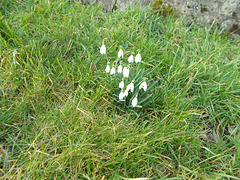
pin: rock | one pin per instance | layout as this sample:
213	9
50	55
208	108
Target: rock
224	13
235	36
226	24
84	1
71	1
125	3
111	5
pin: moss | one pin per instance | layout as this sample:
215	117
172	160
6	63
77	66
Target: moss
234	14
114	7
164	10
234	29
203	9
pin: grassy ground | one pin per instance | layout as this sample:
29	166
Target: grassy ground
59	119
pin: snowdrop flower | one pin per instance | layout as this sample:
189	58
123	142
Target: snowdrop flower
134	101
126	93
103	49
138	58
125	72
107	69
112	70
14	54
121	95
130	59
121	84
119	69
120	53
143	85
130	87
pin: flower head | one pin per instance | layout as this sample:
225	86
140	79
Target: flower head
138	58
126	93
130	87
120	53
143	85
121	84
130	59
121	95
112	70
107	69
134	101
120	68
103	49
125	72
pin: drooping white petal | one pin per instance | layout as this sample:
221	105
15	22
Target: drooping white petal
134	101
130	59
107	69
125	72
121	95
120	53
112	70
14	54
143	85
130	87
126	93
138	58
119	69
103	49
121	84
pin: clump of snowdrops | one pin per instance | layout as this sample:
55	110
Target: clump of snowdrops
128	78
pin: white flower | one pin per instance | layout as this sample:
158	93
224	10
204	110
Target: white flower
130	59
112	70
143	85
107	69
138	58
14	54
120	53
125	72
134	101
119	69
121	95
103	49
121	84
130	87
126	93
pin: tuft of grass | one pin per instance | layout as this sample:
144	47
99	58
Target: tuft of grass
58	119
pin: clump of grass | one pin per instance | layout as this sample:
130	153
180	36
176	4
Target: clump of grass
59	120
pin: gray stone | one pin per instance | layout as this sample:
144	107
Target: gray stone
235	36
226	24
83	1
124	3
110	5
224	13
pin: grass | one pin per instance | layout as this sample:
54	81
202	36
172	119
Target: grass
59	119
